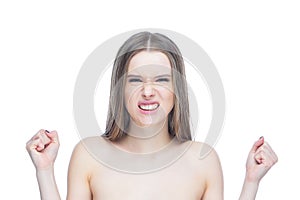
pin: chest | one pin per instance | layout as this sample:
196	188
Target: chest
174	182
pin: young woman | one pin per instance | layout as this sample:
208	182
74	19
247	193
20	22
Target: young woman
148	115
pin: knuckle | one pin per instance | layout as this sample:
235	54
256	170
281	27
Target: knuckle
263	147
268	165
260	151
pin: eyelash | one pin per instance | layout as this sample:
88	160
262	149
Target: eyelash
139	80
163	80
135	80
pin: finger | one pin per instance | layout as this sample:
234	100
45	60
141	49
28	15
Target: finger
265	157
257	144
272	152
45	139
259	157
32	145
53	136
271	156
39	141
37	135
41	146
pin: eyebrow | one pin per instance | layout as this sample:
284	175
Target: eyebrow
163	75
138	76
133	76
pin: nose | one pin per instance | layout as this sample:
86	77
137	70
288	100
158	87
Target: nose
148	90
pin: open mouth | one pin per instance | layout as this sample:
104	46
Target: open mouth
148	107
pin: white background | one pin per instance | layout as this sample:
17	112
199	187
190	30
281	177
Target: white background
255	46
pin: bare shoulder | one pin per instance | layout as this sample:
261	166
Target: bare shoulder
84	146
203	152
205	159
85	150
81	168
208	166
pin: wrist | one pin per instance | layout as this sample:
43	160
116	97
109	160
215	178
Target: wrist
45	171
44	167
250	179
251	183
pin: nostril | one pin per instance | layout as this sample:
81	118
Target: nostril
148	90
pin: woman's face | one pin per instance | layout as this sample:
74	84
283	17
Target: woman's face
149	96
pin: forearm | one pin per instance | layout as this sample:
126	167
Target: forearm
47	184
249	190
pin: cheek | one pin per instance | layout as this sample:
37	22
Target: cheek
130	94
126	98
171	99
168	97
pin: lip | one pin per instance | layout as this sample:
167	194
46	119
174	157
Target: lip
145	103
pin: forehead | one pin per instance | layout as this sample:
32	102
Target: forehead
149	59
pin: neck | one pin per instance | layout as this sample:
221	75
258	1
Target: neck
146	139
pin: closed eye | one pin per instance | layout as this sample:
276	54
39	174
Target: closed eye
133	80
163	80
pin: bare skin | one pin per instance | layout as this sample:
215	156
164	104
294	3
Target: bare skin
89	179
187	178
177	181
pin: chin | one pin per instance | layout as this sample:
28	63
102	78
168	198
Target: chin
150	121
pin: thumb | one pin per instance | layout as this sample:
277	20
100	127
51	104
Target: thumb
257	144
53	136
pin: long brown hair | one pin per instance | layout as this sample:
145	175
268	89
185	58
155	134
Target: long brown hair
118	118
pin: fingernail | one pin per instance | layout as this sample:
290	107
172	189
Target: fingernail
261	137
47	131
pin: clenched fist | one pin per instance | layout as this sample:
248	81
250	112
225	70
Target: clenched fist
260	159
43	148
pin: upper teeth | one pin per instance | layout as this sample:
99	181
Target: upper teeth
149	106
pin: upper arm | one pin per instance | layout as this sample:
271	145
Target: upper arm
79	175
214	178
